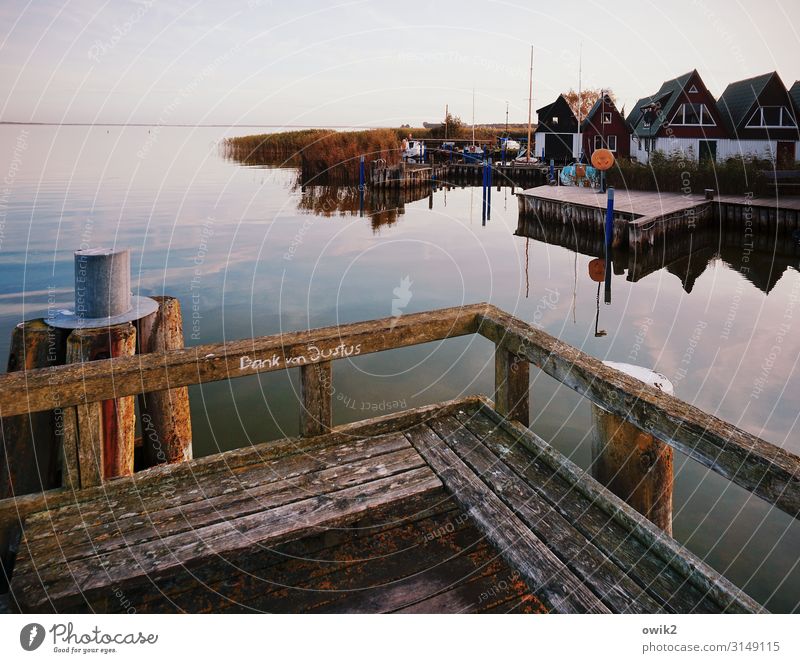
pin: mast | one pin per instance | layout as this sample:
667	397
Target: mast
446	118
580	99
530	104
473	116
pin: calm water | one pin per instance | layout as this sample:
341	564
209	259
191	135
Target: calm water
248	253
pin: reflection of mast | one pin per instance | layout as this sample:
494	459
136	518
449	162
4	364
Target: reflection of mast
600	332
574	287
527	280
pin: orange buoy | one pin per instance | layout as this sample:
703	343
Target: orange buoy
602	159
597	270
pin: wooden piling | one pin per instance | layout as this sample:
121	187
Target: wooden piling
30	455
165	415
316	388
102	443
631	463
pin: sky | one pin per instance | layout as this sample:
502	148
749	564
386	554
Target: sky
367	62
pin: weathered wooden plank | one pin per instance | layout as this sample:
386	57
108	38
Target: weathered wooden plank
316	390
545	574
730	597
606	579
165	478
511	385
73	541
762	468
665	584
126	376
264	529
386	533
89	443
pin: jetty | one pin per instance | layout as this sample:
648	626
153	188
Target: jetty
452	507
644	220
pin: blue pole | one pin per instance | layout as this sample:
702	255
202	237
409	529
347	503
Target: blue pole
503	156
361	173
489	190
483	193
552	170
609	237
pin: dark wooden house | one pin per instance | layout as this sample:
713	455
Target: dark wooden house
681	117
605	127
557	132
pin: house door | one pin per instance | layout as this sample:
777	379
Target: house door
785	155
708	150
558	147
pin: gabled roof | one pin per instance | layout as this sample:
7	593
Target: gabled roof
739	97
546	109
794	93
664	99
595	107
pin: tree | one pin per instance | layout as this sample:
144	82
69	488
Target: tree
452	127
587	99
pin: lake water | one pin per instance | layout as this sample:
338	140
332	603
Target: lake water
248	253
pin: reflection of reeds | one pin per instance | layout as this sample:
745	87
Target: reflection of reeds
682	174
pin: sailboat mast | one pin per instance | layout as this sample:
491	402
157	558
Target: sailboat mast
530	105
580	98
473	116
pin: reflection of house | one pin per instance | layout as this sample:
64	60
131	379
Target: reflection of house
604	126
760	118
557	132
681	117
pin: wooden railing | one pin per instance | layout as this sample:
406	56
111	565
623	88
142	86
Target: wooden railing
762	468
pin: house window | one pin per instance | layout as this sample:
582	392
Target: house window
693	89
555	120
772	117
610	142
606	118
649	144
693	115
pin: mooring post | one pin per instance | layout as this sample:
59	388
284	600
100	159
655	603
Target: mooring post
511	385
631	463
609	239
30	453
489	189
99	437
316	388
104	442
165	416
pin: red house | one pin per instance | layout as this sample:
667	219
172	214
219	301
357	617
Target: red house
605	127
681	117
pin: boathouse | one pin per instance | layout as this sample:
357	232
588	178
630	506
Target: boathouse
761	119
681	117
557	134
605	127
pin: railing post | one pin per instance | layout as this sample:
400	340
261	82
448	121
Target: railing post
316	390
631	463
511	385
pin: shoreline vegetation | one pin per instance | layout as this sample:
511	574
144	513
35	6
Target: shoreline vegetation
327	156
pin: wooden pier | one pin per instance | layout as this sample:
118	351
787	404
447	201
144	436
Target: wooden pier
447	508
412	176
644	219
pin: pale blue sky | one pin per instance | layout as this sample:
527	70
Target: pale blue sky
367	62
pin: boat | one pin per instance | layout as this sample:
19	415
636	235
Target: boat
413	149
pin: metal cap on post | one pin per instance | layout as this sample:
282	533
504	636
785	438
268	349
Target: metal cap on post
102	292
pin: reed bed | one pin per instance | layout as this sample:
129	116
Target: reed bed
676	172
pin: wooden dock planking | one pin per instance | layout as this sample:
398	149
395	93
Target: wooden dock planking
448	508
